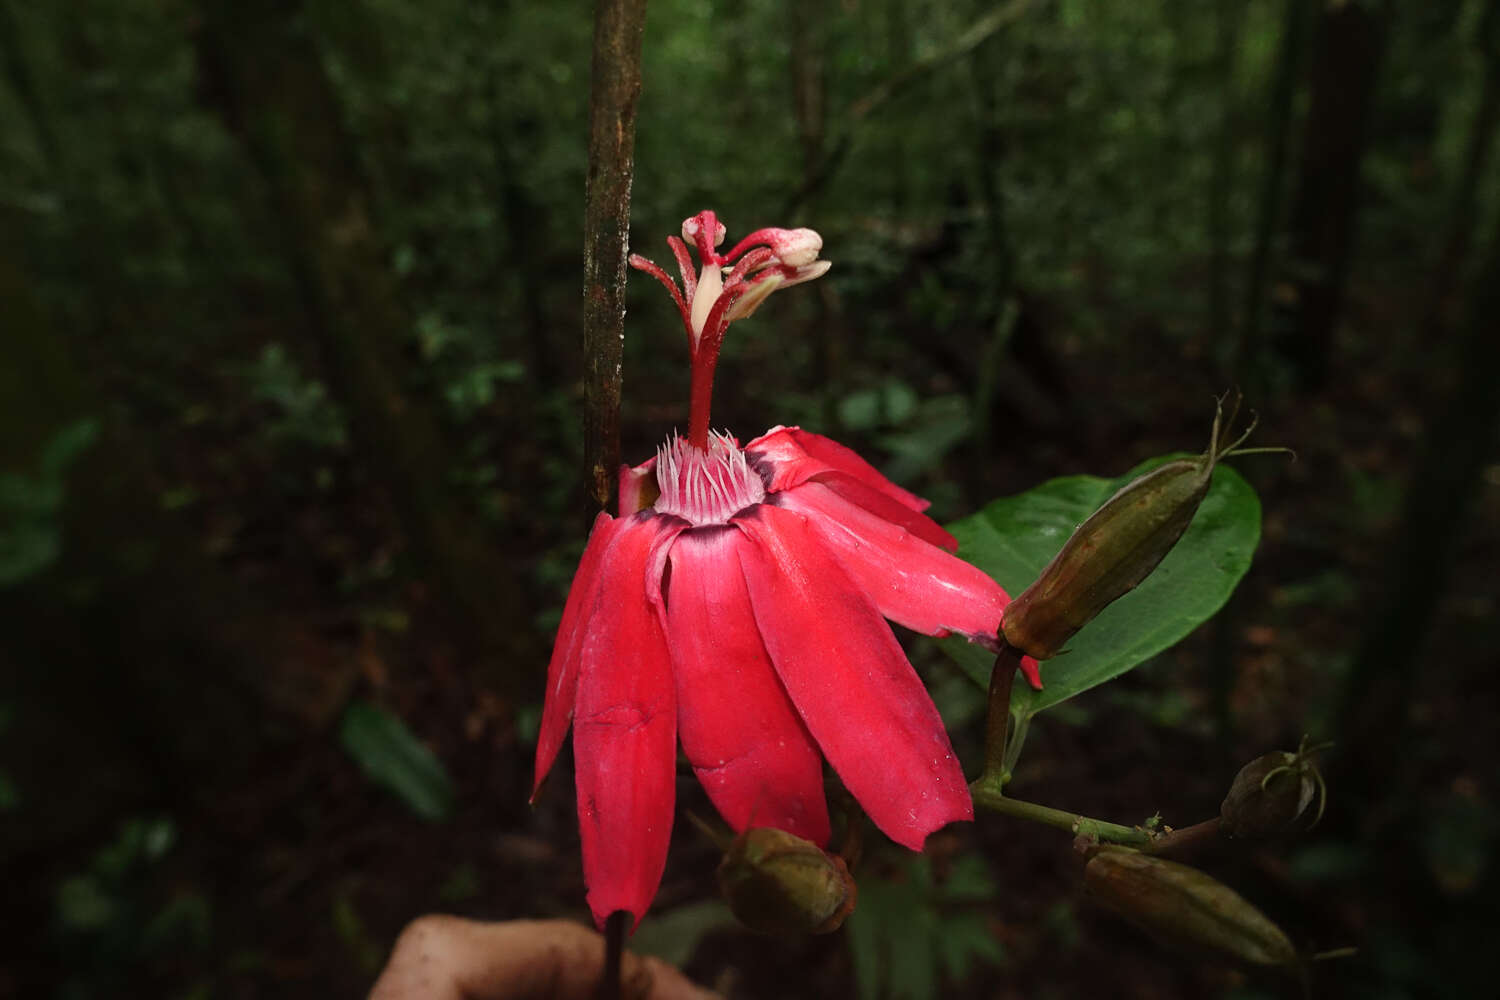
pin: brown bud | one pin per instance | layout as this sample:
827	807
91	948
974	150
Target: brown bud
1276	793
1109	554
777	883
1185	908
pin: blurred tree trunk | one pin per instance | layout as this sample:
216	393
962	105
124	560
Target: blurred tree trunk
1345	64
1229	15
265	78
1459	226
1459	441
521	218
899	52
1246	363
807	38
997	308
140	667
804	23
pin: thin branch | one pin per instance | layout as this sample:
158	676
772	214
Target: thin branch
861	109
618	28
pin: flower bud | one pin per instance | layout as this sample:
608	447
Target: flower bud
795	247
1109	554
693	225
778	883
1275	794
1185	908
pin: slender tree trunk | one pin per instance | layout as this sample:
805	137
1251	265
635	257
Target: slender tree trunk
807	32
1246	362
1228	17
619	26
998	308
1345	63
804	23
517	265
1459	227
898	52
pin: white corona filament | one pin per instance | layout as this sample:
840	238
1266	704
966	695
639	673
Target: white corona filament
706	486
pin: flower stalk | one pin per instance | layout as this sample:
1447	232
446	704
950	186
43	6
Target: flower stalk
726	287
997	721
987	795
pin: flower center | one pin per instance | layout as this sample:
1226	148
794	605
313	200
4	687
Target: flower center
706	485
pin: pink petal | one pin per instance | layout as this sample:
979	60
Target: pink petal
748	747
625	727
912	582
795	456
562	672
849	679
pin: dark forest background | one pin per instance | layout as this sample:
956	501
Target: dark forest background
291	480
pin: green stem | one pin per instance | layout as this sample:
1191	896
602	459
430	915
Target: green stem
997	724
1015	742
986	792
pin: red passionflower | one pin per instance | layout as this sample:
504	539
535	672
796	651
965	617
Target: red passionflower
736	604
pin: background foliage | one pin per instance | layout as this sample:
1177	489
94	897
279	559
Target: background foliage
290	453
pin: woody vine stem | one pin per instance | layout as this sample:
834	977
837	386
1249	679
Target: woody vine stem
619	26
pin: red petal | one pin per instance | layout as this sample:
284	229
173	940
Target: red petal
795	456
845	672
748	747
562	672
1033	671
881	505
625	727
913	583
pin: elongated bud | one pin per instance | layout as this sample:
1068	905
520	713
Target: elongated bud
1185	908
1277	793
777	883
795	247
1109	554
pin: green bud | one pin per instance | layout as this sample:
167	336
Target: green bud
1277	793
1185	908
1119	545
777	883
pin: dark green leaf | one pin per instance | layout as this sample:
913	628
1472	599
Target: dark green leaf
968	881
1013	538
905	933
393	758
965	937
